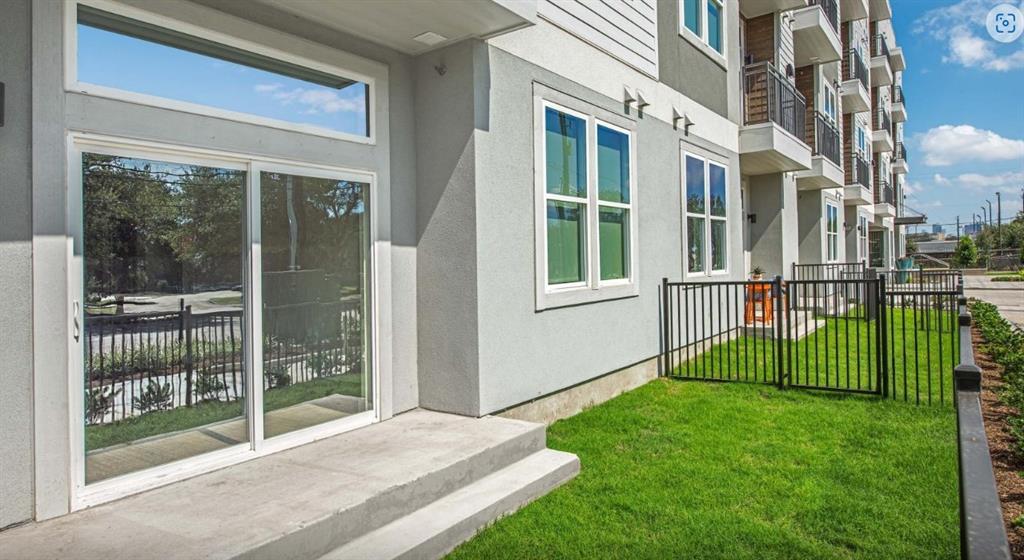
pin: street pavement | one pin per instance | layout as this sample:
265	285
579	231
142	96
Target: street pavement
1007	296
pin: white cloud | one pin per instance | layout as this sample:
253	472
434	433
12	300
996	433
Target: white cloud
938	179
313	100
962	27
952	144
999	180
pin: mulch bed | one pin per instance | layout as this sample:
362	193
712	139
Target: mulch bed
1006	463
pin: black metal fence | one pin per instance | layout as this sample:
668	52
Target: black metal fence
838	327
141	362
771	97
860	169
827	140
831	10
856	69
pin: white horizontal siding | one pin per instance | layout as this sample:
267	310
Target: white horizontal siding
626	29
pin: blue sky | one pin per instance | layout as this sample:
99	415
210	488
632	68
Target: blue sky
965	109
176	74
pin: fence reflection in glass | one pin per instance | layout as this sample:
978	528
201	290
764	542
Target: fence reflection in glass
163	360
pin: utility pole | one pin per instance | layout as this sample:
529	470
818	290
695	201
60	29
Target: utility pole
989	212
999	219
958	227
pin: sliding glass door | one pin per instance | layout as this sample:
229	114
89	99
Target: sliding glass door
223	303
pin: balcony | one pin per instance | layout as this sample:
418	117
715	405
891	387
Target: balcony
397	24
774	115
826	170
899	159
754	8
881	135
899	110
879	10
881	71
857	191
854	90
852	10
885	200
896	59
816	33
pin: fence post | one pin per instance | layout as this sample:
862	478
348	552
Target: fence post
664	327
871	275
779	341
187	321
881	328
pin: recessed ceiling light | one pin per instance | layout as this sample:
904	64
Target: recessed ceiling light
430	38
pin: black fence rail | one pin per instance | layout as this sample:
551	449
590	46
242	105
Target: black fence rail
860	170
771	97
831	10
855	67
837	327
142	362
827	140
829	271
982	533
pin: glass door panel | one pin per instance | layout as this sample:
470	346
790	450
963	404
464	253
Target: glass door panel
314	253
163	359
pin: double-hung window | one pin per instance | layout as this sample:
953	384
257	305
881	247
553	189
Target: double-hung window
704	20
830	104
704	191
587	178
831	232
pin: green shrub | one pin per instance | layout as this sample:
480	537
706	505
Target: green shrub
1005	344
209	386
966	254
154	397
98	402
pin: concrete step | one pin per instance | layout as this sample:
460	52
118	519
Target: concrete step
299	503
434	530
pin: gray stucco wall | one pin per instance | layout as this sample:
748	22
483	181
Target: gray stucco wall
525	354
774	243
683	67
16	464
811	230
446	116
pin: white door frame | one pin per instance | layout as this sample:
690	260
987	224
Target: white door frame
83	495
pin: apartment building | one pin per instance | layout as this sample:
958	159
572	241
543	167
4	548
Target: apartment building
487	198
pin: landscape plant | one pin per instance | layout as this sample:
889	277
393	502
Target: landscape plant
1005	344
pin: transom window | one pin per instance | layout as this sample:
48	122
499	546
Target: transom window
126	58
705	20
587	197
831	232
704	184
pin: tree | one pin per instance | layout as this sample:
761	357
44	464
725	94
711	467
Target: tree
966	254
910	246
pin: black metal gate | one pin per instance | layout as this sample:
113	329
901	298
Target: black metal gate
888	334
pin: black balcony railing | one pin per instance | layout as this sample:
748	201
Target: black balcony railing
884	193
770	97
897	95
882	120
827	140
831	10
900	151
860	170
878	46
856	69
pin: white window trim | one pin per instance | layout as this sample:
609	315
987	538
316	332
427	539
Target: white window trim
829	235
700	41
73	85
83	496
706	216
863	244
592	289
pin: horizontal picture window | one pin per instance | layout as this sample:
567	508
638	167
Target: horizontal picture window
138	57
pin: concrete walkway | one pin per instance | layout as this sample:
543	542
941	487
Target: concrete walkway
1007	296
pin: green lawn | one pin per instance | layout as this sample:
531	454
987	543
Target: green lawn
680	469
842	354
166	421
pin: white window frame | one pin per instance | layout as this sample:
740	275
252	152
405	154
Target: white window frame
701	40
83	495
831	237
354	67
863	248
706	216
592	288
829	102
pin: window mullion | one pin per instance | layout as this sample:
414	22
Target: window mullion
593	244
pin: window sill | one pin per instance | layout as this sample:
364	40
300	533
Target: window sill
715	56
584	295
